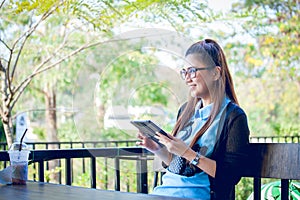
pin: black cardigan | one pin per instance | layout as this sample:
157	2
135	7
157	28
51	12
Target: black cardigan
230	153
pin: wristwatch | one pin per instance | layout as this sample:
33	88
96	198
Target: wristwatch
196	159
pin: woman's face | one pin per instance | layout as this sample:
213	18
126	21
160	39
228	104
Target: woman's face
202	83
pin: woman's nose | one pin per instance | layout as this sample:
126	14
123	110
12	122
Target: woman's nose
187	79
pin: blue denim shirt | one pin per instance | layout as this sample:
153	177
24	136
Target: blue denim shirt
198	185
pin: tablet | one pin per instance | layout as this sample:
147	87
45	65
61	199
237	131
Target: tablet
148	128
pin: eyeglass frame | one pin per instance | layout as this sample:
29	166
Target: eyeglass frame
184	72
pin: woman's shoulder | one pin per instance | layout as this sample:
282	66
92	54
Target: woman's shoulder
181	109
234	109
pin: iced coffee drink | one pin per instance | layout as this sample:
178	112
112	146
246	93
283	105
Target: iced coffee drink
19	161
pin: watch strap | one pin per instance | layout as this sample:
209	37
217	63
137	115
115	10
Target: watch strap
196	160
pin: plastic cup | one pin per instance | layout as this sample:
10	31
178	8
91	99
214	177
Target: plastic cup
19	163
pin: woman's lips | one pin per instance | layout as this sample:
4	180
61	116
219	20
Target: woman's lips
192	87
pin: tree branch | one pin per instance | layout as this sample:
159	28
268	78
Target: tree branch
28	33
2	3
18	54
21	87
4	44
2	67
38	70
25	35
112	8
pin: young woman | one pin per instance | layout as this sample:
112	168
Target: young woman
208	146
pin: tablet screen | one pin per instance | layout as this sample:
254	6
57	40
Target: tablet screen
148	128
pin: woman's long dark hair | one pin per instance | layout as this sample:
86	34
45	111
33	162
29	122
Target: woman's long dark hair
210	54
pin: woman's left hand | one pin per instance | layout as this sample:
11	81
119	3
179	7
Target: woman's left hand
174	145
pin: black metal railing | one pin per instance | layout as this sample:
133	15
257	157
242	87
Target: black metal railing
131	143
275	139
75	144
83	166
139	155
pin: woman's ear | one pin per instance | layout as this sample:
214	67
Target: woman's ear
217	73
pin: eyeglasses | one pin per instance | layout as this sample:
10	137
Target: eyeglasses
191	71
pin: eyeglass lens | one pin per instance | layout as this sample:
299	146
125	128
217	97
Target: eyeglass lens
191	71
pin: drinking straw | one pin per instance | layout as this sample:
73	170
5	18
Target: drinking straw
20	148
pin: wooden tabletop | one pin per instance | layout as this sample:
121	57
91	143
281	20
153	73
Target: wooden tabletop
48	191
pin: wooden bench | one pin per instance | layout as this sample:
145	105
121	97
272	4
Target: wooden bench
274	160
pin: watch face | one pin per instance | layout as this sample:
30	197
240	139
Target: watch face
194	162
196	159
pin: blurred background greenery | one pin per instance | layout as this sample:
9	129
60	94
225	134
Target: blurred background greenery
55	53
67	63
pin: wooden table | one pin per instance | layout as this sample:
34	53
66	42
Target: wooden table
48	191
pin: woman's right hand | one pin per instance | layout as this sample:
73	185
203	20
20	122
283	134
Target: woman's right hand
147	142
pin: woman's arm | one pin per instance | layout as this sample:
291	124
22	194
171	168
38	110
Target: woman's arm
206	164
178	147
164	155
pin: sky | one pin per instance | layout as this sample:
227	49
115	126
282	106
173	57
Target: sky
220	4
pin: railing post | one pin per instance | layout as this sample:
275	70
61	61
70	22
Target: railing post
59	165
41	171
83	160
68	171
93	172
47	163
142	177
257	188
117	174
284	189
106	174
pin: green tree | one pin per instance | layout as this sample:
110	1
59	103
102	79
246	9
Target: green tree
262	46
25	27
276	56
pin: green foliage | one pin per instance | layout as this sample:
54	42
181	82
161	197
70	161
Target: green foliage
48	173
115	134
47	32
151	94
271	110
2	133
244	188
40	6
134	70
278	36
266	64
67	130
82	180
40	133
